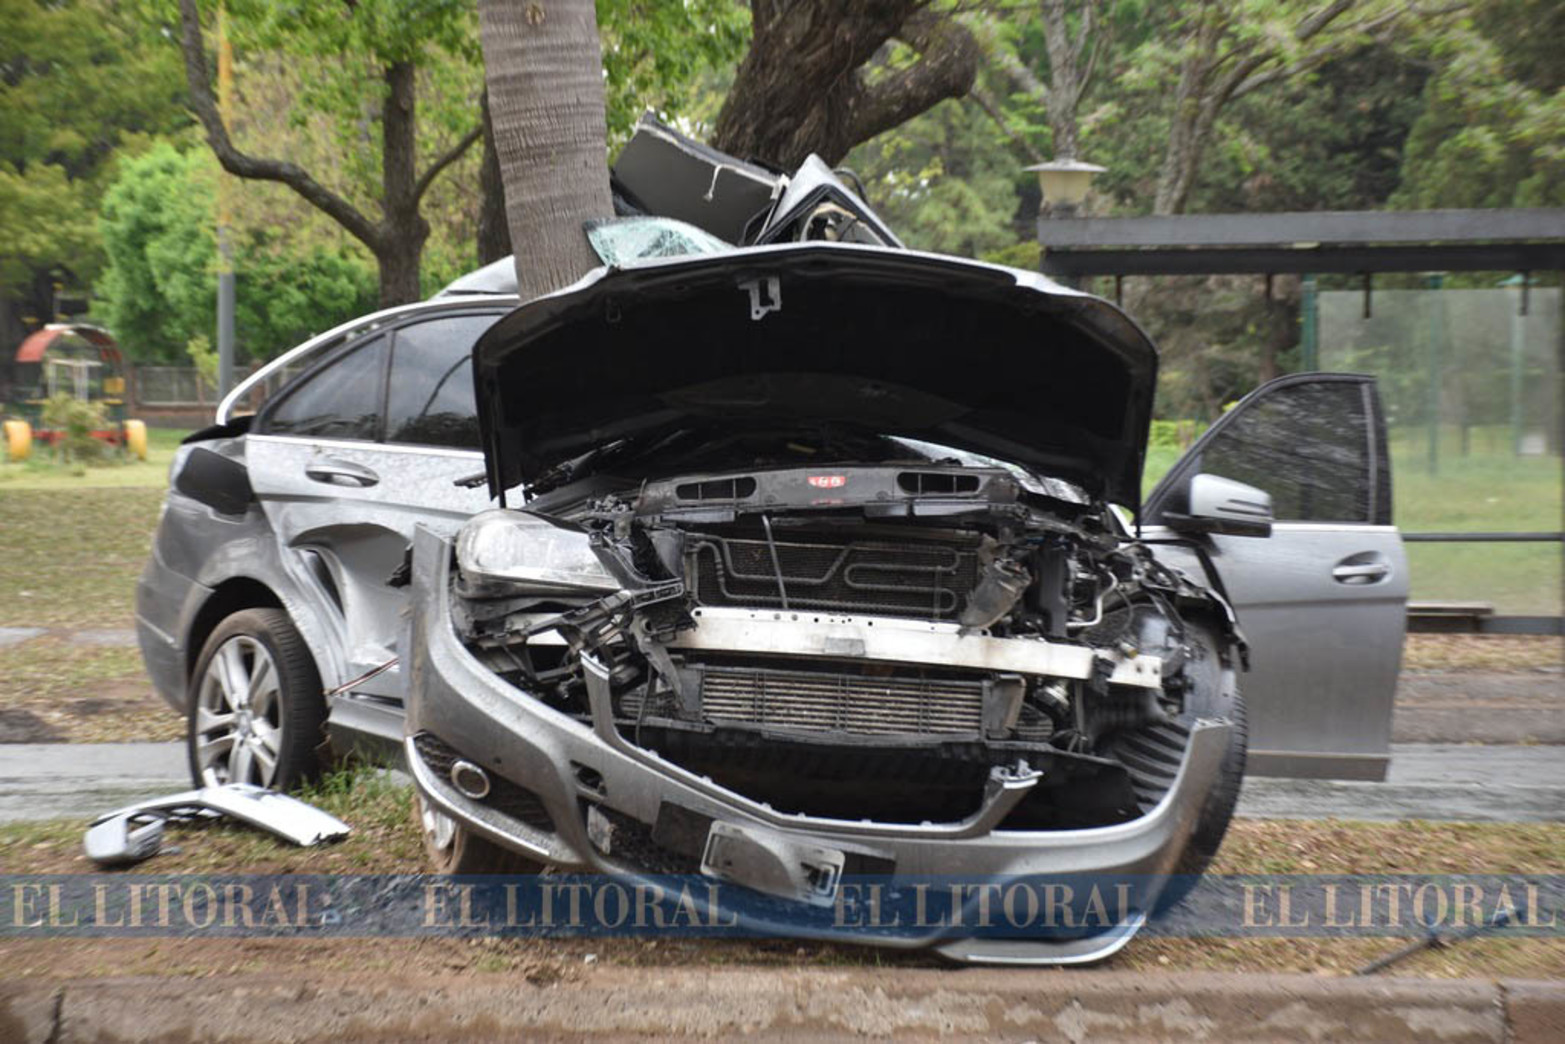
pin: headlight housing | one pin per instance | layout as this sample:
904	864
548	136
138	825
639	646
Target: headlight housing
524	550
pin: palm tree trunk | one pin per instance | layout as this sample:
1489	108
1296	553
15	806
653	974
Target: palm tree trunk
545	75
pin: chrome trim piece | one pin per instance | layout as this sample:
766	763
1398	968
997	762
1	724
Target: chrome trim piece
469	779
1160	531
1023	952
777	633
360	444
366	322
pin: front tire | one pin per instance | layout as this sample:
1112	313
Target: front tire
455	850
256	711
1213	693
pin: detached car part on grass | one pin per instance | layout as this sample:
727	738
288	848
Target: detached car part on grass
823	589
135	833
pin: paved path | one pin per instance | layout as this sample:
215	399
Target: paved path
1427	781
55	780
853	1003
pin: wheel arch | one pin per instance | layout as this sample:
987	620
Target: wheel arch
229	597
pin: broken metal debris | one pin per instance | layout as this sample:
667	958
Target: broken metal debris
1434	940
135	833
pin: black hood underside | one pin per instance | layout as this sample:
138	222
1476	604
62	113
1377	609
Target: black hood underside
817	339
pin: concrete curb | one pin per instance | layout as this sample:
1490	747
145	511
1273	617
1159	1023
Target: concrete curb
830	1003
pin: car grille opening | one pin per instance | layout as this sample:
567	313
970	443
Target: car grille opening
926	580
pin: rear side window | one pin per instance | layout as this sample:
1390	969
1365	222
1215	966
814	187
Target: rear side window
1308	445
430	400
341	401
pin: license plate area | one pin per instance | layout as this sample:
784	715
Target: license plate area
773	863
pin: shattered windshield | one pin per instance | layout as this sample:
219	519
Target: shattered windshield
625	241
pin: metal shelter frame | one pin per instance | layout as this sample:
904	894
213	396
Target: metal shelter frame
1363	243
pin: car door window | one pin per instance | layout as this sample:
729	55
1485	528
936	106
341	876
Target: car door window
1314	443
341	400
430	401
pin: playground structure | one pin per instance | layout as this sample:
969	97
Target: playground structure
77	360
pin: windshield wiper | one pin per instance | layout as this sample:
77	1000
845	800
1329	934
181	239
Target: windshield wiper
570	470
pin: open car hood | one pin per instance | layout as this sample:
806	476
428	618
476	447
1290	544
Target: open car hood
811	337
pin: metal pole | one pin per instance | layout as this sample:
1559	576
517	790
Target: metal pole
1518	354
1436	337
1052	211
225	246
1309	335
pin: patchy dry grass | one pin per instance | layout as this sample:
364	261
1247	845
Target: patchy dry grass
57	691
70	558
1503	653
385	841
1270	846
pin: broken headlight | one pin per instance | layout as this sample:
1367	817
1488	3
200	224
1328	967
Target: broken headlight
521	549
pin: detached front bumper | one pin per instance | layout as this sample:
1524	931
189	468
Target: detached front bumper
554	773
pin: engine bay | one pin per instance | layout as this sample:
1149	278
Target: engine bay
855	641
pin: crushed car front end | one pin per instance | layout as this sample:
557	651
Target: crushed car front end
835	591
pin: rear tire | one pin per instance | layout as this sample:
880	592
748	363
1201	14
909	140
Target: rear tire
455	850
256	710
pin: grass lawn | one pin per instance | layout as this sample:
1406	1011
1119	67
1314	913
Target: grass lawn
69	557
1485	491
115	470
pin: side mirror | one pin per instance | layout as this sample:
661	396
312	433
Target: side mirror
1214	504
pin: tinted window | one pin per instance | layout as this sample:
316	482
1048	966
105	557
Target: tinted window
431	397
1305	444
341	401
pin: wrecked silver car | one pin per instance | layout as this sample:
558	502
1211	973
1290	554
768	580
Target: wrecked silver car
782	563
811	573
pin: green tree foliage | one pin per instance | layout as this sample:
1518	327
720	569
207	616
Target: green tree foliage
46	222
80	81
1492	130
159	290
945	181
654	55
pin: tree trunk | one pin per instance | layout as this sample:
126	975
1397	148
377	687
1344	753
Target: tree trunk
1072	62
494	235
801	89
403	228
545	77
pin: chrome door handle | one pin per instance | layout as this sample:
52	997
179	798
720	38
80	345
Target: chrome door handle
1360	574
340	473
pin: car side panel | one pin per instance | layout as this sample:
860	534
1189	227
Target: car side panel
1324	655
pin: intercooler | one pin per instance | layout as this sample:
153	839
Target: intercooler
855	705
925	580
816	702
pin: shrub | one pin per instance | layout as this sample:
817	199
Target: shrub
1175	434
74	420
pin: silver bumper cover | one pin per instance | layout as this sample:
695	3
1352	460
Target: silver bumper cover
564	762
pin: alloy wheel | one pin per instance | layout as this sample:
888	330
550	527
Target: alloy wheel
238	727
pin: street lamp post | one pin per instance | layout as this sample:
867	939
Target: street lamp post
1064	184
